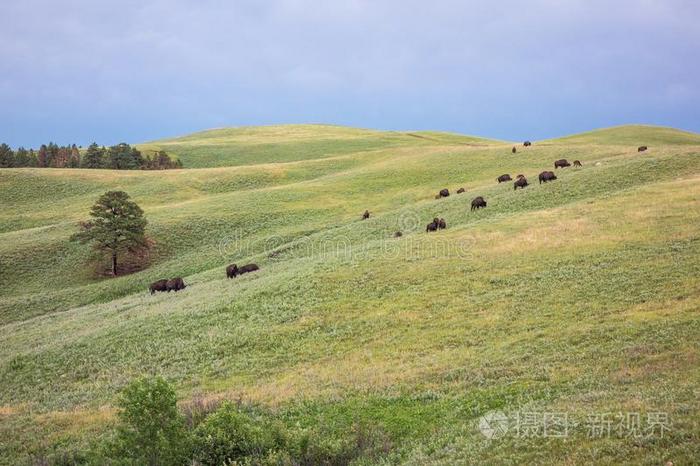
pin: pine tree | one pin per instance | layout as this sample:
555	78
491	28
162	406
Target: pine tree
33	161
43	156
117	226
22	158
74	159
7	157
94	157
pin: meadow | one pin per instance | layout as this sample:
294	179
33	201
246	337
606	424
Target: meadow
579	296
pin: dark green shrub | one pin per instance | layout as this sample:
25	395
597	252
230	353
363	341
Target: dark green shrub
151	430
231	434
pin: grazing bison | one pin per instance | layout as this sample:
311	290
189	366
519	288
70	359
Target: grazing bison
365	216
527	143
175	284
514	150
398	234
231	270
247	268
444	192
642	148
441	224
160	285
546	176
478	203
563	163
503	178
460	190
577	163
520	183
432	226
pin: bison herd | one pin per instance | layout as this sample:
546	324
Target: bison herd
176	284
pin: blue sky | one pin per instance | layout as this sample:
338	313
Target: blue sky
110	71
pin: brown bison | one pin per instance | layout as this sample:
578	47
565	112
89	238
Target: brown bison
546	176
460	190
444	193
478	203
441	224
504	178
520	183
247	268
527	143
398	234
514	150
642	148
432	226
231	271
577	163
520	176
160	285
365	216
563	163
175	284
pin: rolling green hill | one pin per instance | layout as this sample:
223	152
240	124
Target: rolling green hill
578	296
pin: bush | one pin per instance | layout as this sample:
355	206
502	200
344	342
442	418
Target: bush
151	429
230	434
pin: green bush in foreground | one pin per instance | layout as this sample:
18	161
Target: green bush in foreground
152	430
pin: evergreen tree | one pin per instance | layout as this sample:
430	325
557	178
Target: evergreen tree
7	157
124	157
94	157
74	158
117	226
22	158
51	154
33	162
43	156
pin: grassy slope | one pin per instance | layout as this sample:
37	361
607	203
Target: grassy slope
579	295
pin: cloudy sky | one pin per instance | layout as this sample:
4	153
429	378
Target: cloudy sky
110	71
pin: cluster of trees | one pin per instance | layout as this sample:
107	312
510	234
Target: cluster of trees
119	157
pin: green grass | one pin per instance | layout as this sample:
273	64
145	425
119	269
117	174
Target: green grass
579	295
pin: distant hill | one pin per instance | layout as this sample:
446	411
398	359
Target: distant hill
288	143
639	135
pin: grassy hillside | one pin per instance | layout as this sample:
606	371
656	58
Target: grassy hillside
578	296
288	143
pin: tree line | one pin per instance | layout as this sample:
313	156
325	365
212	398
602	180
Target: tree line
119	157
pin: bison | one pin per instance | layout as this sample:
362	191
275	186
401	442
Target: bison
520	183
231	271
478	203
514	150
160	285
441	224
577	163
503	178
365	216
546	176
527	143
444	192
520	176
175	284
398	234
563	163
642	148
432	226
247	268
460	190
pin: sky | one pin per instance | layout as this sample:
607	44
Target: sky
78	71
